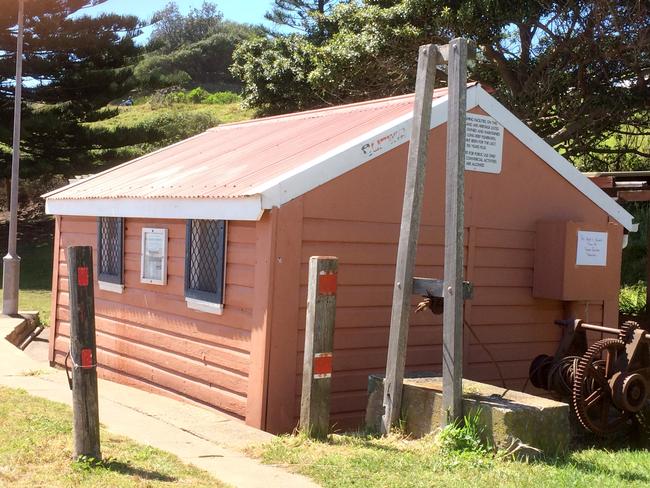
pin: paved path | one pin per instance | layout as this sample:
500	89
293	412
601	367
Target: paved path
202	437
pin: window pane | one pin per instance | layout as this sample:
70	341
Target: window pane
205	256
110	247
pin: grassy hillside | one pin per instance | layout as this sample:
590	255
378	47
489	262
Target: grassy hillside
160	119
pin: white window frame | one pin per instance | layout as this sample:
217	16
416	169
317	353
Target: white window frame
147	231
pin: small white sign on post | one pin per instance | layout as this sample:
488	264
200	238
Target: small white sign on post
483	144
592	248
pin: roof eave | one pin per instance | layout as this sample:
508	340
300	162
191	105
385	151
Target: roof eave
241	208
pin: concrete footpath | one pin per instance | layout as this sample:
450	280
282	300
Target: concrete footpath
207	439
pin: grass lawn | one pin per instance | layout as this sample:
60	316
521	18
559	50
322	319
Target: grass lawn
142	112
36	450
358	461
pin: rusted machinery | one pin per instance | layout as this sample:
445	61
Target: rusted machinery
608	383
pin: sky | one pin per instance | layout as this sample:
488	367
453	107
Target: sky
249	11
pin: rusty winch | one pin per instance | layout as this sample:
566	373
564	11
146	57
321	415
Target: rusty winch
608	383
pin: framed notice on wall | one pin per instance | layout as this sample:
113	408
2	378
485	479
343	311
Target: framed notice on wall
592	248
153	266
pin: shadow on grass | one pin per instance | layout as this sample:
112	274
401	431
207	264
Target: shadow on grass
88	464
624	475
630	441
126	468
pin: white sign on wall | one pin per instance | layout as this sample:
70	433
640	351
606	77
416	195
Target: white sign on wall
153	260
592	248
483	144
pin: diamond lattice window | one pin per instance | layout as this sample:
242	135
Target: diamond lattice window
204	260
109	246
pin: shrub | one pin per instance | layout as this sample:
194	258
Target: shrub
200	96
222	98
464	435
632	299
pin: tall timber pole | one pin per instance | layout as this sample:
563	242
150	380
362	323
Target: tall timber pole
11	262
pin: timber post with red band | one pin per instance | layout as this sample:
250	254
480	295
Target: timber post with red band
319	344
83	353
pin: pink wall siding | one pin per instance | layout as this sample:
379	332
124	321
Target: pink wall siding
356	217
148	337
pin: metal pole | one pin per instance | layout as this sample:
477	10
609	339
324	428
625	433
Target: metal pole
11	262
452	328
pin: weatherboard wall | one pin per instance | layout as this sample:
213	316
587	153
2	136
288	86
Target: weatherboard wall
147	336
356	218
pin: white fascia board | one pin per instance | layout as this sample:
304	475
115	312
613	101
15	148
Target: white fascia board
554	159
350	155
242	208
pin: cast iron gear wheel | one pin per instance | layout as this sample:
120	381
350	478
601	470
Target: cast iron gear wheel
627	329
592	399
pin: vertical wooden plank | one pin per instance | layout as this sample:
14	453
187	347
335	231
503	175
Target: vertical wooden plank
83	353
262	317
409	230
452	351
319	344
54	299
283	346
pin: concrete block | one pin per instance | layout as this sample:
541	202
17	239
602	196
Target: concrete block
505	414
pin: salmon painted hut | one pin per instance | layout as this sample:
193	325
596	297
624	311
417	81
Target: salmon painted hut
201	253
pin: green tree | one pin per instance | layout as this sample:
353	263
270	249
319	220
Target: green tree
193	49
77	64
173	29
577	72
306	16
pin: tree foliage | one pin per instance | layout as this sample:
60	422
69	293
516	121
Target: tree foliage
192	49
173	29
577	71
76	64
301	15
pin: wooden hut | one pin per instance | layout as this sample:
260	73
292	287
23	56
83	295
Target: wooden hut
201	251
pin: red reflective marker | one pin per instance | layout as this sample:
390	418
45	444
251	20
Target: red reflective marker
322	365
327	284
86	358
82	276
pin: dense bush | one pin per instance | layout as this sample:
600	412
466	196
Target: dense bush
632	299
200	96
635	254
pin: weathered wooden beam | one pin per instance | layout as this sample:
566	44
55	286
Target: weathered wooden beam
319	344
434	287
443	52
83	353
452	335
409	230
634	195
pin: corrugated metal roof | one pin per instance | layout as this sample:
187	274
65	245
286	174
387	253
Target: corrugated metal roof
236	171
230	161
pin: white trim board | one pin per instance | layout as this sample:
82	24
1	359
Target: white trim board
245	208
554	159
350	156
332	164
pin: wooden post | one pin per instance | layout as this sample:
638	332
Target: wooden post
319	344
452	335
409	230
83	352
